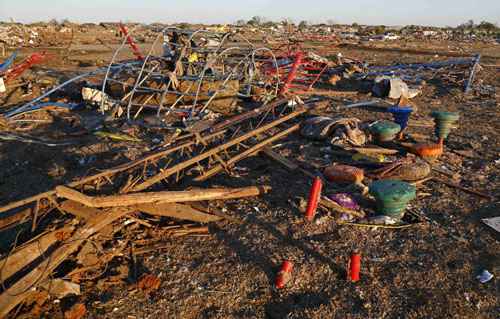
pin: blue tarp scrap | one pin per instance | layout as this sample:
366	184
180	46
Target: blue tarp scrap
7	63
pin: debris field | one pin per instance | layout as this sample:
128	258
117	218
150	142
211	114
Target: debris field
230	172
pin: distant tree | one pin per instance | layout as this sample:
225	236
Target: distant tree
183	25
240	22
355	25
467	25
286	21
380	29
255	20
268	24
487	26
302	25
66	22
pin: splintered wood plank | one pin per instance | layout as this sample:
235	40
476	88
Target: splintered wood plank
164	197
26	254
14	295
178	211
81	211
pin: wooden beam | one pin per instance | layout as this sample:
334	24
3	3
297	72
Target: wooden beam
252	150
107	172
178	211
26	254
160	197
174	169
81	211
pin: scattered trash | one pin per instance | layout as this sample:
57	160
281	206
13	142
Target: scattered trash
341	131
97	98
117	137
384	131
365	158
383	220
485	276
183	105
2	86
427	151
318	127
493	222
444	122
401	116
345	200
78	311
408	169
149	283
394	88
339	173
392	196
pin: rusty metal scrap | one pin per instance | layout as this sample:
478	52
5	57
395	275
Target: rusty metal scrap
186	72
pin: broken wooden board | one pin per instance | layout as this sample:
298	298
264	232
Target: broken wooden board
178	211
14	295
81	211
27	253
60	288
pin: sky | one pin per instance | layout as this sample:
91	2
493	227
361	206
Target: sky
387	12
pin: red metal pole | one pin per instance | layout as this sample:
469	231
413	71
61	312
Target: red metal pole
130	41
17	70
314	195
292	74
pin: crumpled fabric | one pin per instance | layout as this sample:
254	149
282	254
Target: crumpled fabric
347	131
340	130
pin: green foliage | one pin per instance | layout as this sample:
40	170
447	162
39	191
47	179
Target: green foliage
256	20
488	26
380	29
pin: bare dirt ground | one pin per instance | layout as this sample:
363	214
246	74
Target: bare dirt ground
425	271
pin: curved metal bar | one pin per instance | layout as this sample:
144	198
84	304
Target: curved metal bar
252	55
275	63
48	93
113	58
205	67
138	79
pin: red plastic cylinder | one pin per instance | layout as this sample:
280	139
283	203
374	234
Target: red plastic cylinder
354	267
314	195
284	274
